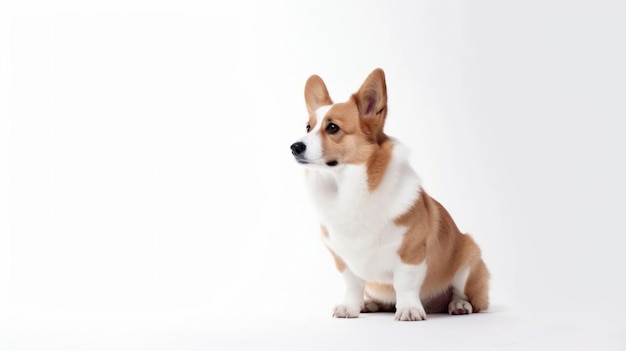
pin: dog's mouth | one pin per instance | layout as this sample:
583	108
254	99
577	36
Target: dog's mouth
304	161
298	151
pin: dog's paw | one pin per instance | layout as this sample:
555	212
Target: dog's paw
345	311
459	307
415	313
372	307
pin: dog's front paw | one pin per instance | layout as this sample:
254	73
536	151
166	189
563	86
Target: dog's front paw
415	313
345	311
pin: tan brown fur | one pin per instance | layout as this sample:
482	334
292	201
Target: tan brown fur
361	119
324	231
379	297
377	164
341	266
378	291
312	121
433	236
477	286
316	94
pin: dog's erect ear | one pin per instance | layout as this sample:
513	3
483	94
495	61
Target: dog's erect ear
316	94
371	98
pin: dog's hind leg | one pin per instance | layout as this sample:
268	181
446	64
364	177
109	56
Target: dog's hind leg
470	289
477	286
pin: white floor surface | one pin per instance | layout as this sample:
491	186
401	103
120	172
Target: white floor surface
498	330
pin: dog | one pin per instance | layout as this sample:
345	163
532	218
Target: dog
397	248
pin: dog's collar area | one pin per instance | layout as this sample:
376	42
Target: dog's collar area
331	163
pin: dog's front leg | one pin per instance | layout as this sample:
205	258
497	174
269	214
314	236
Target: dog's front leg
352	302
407	281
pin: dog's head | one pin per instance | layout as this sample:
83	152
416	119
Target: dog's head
342	133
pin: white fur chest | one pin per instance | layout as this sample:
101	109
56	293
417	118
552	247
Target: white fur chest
360	223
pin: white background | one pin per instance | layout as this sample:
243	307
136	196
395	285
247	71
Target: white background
149	200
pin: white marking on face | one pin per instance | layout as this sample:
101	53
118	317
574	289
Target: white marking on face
314	153
320	114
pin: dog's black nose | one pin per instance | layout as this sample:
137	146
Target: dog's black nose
298	148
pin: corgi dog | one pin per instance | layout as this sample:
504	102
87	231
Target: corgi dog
396	247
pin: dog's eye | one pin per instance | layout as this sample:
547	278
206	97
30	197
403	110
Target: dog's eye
332	128
308	128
